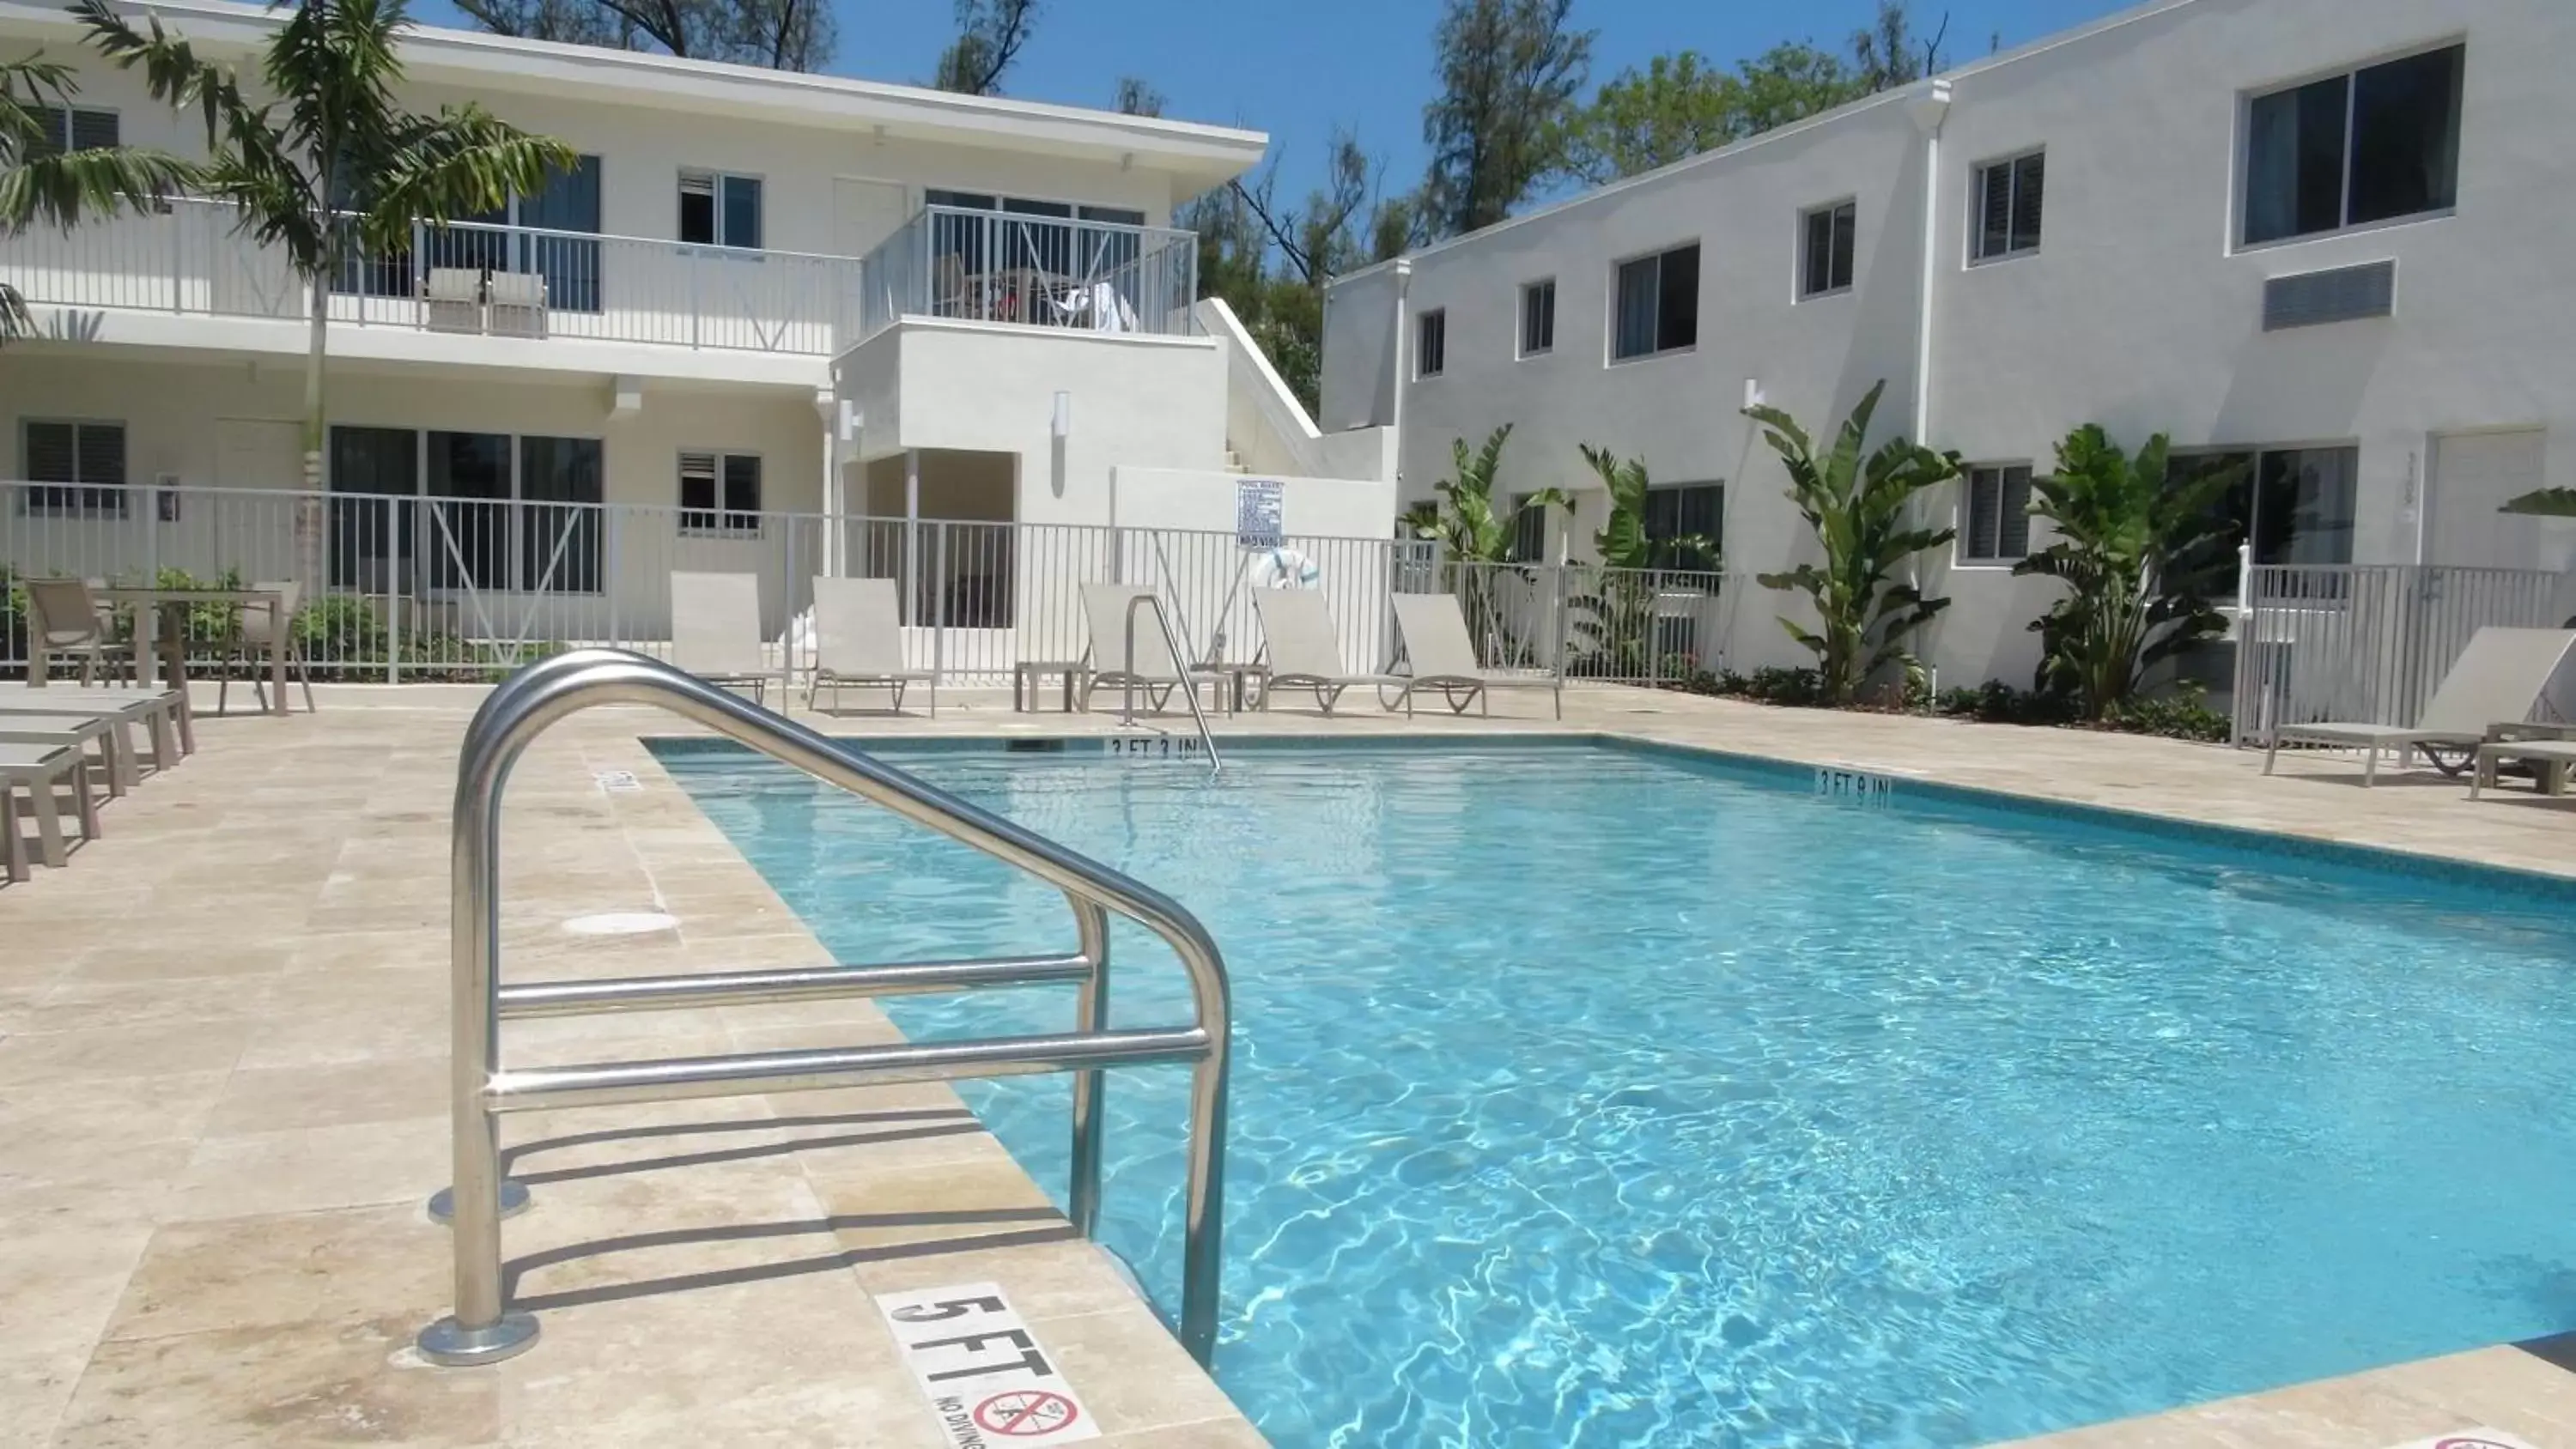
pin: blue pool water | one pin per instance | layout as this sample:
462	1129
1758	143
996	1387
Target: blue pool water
1589	1096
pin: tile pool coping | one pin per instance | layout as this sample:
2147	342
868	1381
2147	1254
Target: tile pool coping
2556	890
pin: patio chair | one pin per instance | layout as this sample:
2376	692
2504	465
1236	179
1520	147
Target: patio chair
2496	680
858	639
515	304
264	630
715	631
64	619
1153	670
451	299
1303	650
1440	656
37	770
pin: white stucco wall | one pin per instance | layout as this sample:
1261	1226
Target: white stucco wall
1144	402
2139	310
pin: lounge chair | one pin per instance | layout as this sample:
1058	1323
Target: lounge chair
164	714
36	769
1303	651
2496	680
858	639
80	729
1104	614
1440	656
715	631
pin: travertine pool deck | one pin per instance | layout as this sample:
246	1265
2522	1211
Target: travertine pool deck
223	1036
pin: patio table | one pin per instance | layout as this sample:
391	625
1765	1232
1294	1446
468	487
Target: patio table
150	600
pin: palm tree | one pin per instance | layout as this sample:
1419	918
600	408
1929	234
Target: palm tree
333	170
43	181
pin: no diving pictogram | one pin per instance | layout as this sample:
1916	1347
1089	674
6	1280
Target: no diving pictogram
1026	1413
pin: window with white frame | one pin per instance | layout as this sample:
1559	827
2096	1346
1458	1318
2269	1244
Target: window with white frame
1431	343
1684	525
2006	205
1538	317
720	495
2374	144
74	467
76	128
1998	522
719	210
1826	258
1656	304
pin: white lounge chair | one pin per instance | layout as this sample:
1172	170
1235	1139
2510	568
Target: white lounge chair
1442	657
1105	609
858	639
80	730
36	770
1303	650
715	631
164	714
2496	680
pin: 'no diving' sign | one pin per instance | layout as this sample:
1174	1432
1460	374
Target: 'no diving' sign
988	1380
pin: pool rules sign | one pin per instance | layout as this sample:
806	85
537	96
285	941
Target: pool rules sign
989	1382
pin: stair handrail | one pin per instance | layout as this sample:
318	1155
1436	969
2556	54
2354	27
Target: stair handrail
1180	661
483	1328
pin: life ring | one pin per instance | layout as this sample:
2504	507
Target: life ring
1285	568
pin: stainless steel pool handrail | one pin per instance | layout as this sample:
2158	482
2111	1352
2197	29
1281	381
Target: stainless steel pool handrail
484	1328
1180	661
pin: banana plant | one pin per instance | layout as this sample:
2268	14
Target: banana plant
2543	503
1860	511
2140	551
1615	620
1475	539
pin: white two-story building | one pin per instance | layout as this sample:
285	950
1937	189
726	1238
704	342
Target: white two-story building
2327	237
763	305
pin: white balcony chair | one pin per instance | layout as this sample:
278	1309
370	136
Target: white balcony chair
451	300
516	304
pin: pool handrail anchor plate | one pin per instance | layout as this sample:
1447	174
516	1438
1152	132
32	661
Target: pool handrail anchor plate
484	1328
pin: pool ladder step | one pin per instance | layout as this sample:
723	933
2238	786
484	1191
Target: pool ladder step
484	1328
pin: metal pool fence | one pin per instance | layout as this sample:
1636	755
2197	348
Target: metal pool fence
414	587
2366	642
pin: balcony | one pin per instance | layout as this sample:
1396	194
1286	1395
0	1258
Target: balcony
511	282
1018	269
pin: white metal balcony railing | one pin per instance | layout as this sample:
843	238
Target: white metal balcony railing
466	277
1041	271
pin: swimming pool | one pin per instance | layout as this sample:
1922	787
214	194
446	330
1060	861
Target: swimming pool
1590	1095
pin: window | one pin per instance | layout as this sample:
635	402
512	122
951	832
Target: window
720	211
1658	304
720	494
1431	343
1529	531
1683	522
1998	528
2375	144
502	513
84	463
517	236
1827	265
1538	317
59	130
2006	205
2294	505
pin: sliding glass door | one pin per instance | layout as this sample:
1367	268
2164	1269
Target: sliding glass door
479	512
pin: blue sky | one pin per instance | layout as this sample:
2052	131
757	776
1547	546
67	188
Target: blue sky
1296	68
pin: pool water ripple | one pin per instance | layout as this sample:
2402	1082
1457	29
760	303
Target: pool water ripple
1588	1097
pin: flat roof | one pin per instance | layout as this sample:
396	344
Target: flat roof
1199	156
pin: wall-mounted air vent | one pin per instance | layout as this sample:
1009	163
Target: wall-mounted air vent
2344	294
